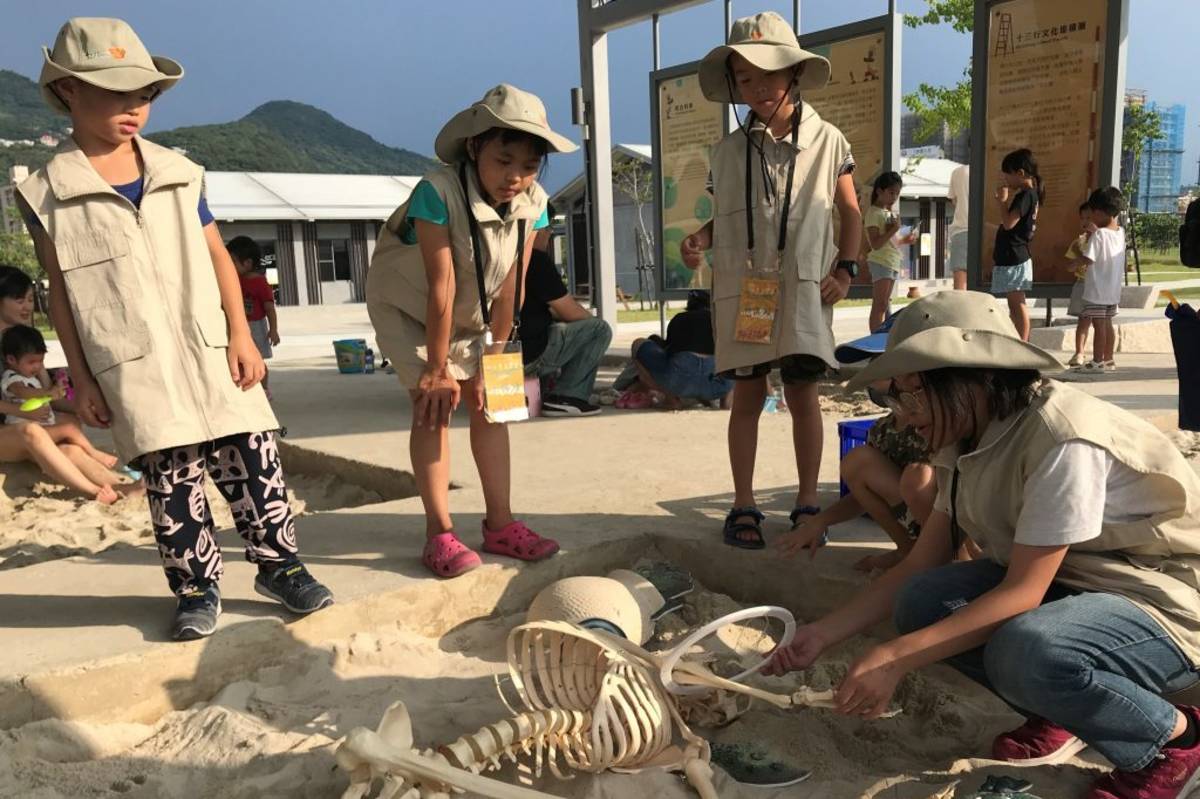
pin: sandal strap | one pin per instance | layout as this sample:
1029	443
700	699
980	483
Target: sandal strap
749	510
803	510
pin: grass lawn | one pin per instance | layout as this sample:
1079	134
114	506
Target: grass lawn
648	315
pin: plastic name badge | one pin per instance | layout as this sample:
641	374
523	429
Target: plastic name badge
504	384
757	305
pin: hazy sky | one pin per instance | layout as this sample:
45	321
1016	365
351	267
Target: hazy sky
399	69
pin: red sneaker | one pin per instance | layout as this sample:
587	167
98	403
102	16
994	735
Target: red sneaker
1173	773
1037	742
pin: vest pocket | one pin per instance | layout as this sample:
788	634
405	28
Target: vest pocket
214	329
110	335
96	270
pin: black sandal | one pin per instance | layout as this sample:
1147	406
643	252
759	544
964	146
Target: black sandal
807	510
734	529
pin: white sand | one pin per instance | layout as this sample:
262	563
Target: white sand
32	512
273	733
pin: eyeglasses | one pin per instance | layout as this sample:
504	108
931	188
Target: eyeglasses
897	401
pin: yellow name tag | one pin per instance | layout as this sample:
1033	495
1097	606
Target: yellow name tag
757	305
504	386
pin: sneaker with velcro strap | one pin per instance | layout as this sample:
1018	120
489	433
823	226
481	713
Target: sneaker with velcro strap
292	586
196	613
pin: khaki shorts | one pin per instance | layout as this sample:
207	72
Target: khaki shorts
401	340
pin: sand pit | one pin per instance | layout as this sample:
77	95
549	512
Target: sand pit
272	734
42	521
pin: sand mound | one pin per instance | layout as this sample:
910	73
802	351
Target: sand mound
273	733
32	514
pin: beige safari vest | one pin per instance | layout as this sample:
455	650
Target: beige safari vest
397	280
1153	562
803	325
143	293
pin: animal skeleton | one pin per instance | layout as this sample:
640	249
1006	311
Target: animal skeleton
591	702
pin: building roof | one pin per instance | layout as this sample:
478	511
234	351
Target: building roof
923	177
250	196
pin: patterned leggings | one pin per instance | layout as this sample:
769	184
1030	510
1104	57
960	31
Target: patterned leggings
246	470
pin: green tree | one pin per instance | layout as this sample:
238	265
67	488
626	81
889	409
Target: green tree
936	106
1142	124
1158	232
16	249
633	178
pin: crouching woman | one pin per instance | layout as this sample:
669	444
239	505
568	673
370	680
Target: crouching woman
1084	611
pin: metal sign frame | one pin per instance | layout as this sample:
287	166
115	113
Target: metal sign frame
657	77
1111	125
890	26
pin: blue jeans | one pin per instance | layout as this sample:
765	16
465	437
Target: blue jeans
573	352
688	375
1092	663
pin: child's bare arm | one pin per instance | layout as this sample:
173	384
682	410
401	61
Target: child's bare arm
272	322
836	284
246	366
846	199
691	249
22	391
434	240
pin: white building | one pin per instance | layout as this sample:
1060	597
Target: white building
923	199
317	231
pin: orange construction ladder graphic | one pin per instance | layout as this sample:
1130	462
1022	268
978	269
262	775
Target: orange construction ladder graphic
1004	42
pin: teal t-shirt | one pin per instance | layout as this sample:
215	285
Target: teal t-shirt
425	203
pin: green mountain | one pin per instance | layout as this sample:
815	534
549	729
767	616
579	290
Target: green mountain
285	136
280	136
23	113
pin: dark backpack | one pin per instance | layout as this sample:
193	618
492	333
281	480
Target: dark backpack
1189	236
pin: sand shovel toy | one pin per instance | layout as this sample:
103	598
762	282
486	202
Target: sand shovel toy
33	403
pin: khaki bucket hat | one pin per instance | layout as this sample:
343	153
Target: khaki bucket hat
953	328
503	106
106	53
767	42
624	600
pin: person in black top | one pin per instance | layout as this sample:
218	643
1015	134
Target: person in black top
1019	195
681	366
560	339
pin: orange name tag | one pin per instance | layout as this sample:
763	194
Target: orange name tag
504	385
756	309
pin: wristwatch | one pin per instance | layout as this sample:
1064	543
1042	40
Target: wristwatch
851	267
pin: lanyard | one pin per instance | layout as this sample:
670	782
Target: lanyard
477	252
955	530
787	197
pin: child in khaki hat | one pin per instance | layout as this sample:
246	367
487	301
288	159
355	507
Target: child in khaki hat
445	277
147	307
774	284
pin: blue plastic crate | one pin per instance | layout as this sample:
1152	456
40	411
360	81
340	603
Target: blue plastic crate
852	433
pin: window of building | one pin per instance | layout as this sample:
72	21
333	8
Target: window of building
333	259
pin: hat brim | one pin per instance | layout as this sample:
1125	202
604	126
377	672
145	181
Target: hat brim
715	83
451	143
166	73
861	348
945	347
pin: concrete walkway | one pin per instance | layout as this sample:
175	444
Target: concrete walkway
85	636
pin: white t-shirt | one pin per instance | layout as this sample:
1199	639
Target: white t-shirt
1075	490
1102	283
960	195
12	377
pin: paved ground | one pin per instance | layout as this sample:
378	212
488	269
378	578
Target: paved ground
85	636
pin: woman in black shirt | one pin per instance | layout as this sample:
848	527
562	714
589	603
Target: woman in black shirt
1020	194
